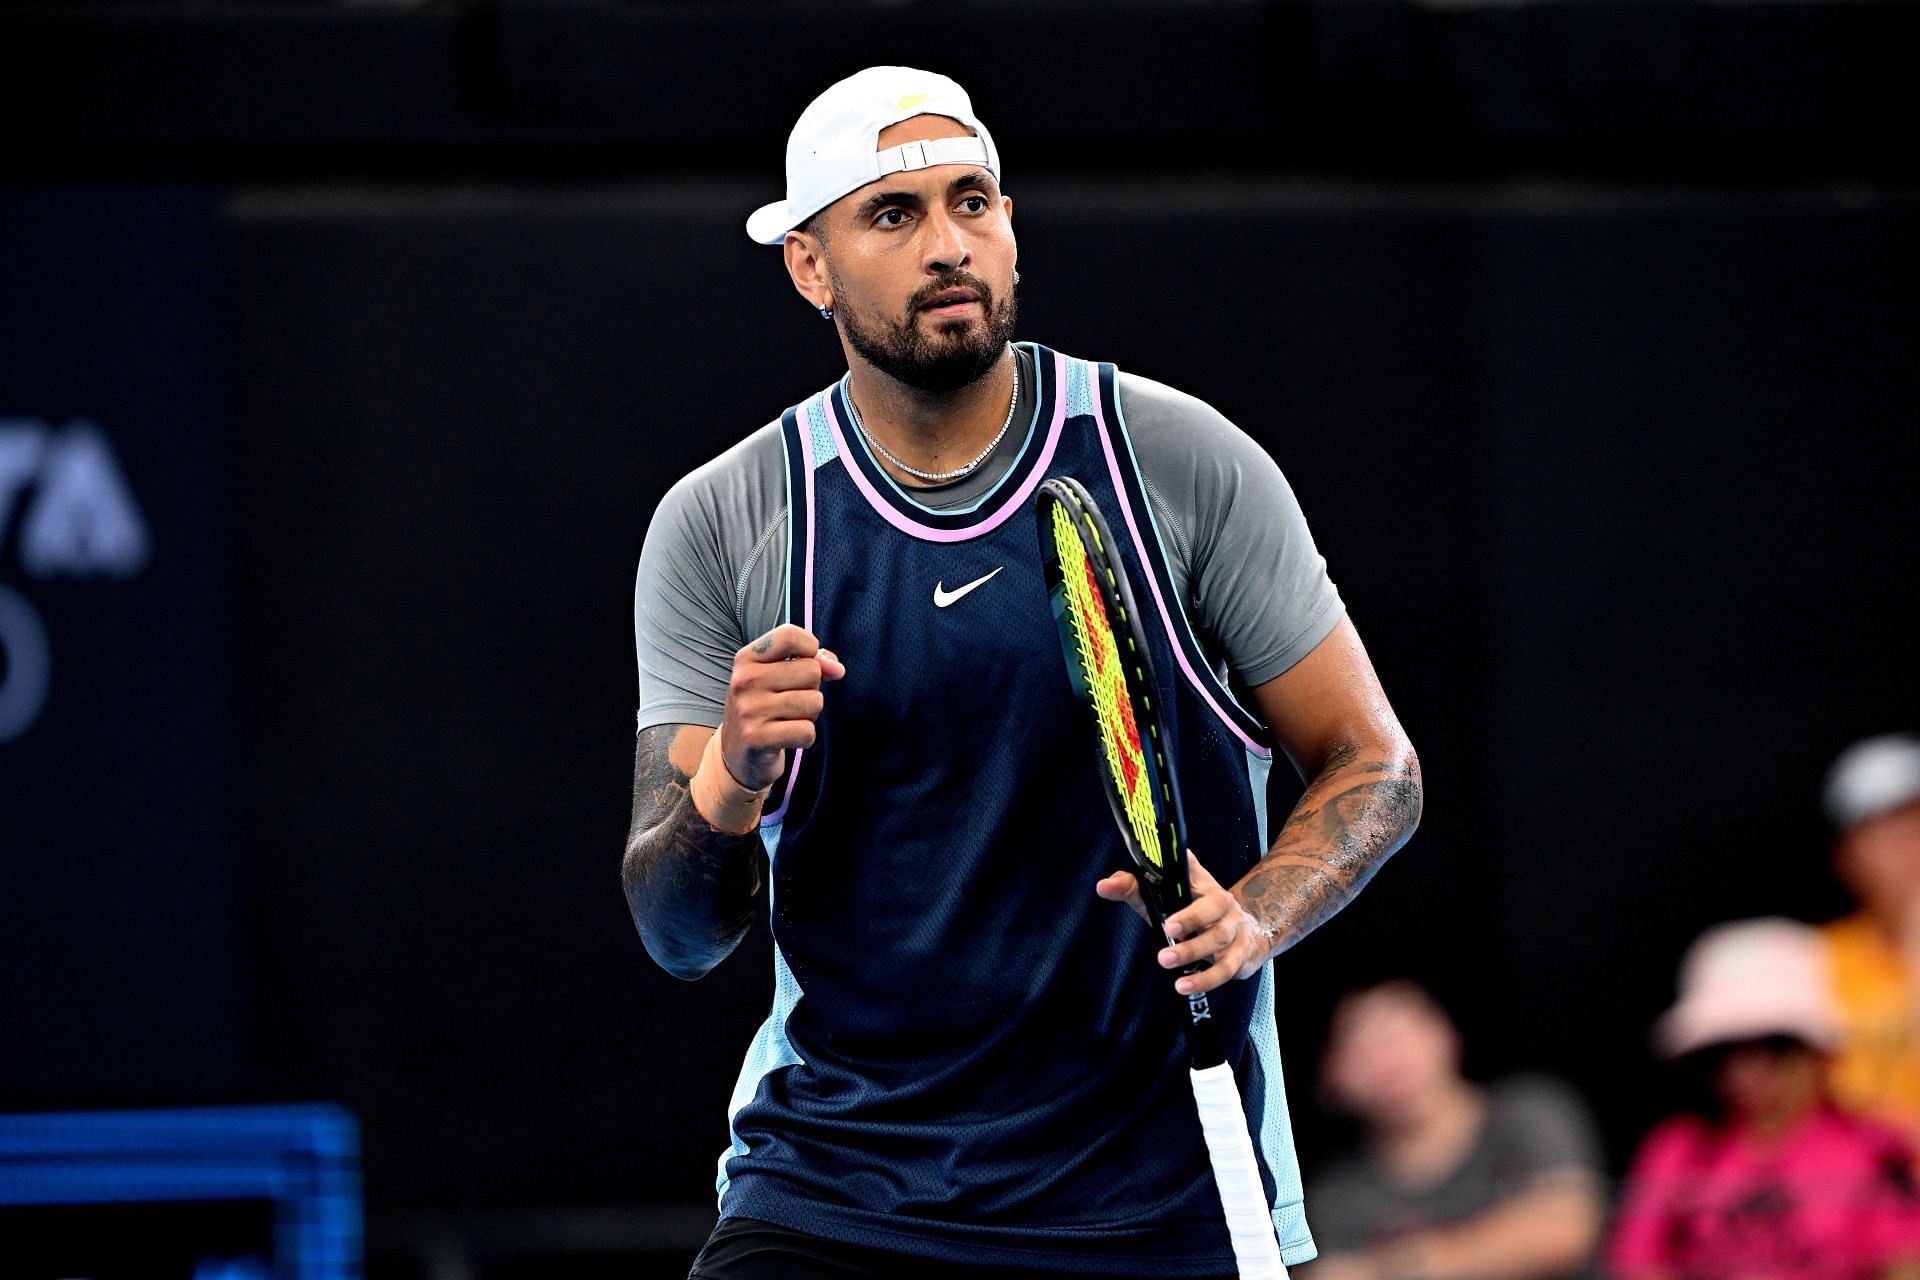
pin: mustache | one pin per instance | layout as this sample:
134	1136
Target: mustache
952	280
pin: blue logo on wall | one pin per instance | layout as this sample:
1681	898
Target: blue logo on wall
231	1269
77	519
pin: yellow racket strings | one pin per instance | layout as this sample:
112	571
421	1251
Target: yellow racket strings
1100	664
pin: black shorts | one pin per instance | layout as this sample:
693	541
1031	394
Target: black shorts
747	1249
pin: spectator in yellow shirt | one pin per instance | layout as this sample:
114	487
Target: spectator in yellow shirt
1873	798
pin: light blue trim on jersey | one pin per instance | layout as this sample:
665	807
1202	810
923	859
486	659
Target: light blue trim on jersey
770	1050
1258	767
1276	1125
1080	390
1276	1132
818	433
1033	425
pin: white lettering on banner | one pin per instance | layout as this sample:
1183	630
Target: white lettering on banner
26	664
82	519
78	519
21	440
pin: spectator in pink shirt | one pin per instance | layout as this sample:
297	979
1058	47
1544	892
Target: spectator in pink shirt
1775	1182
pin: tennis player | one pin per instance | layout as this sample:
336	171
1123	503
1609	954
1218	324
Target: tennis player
854	718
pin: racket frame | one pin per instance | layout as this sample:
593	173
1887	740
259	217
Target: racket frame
1163	890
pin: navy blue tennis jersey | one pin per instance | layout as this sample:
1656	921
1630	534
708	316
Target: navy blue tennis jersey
971	1056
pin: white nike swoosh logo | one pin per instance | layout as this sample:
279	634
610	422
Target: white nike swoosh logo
942	597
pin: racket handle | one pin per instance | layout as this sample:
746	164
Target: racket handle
1256	1252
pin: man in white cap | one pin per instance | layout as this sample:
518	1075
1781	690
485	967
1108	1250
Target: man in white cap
1873	799
853	716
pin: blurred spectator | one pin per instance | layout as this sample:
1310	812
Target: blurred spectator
1772	1181
1873	798
1450	1179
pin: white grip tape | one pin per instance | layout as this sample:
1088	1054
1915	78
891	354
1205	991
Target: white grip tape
1255	1250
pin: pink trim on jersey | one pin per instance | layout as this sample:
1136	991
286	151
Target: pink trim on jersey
806	607
1153	583
927	533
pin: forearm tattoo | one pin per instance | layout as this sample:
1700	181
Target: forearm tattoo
1356	812
693	891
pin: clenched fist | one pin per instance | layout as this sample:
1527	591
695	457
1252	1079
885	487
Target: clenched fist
773	698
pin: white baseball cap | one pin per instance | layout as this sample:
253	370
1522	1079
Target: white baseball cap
1873	777
831	149
1749	980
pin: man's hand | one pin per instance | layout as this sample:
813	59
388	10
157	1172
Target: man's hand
773	698
1214	928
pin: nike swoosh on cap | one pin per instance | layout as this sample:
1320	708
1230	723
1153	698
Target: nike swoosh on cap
942	597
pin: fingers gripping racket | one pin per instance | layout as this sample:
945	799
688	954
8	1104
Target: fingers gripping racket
1111	673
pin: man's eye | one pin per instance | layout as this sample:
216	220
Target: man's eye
975	204
891	217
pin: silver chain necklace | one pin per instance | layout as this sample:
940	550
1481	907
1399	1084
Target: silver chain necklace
958	471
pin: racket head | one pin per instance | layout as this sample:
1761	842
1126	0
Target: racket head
1111	671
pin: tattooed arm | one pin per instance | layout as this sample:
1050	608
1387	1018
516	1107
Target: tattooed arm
693	891
1363	794
692	887
1362	802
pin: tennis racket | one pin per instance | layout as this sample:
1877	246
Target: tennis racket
1111	672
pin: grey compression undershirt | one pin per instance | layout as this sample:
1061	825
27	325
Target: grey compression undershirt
1243	560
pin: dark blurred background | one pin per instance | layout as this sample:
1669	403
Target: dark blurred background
345	349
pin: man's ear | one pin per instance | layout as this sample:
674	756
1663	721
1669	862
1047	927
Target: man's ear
807	265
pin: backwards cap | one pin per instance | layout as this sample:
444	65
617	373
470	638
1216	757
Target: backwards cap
831	149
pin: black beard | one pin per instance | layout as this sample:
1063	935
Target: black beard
956	353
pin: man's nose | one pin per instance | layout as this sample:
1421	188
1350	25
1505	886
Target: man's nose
945	250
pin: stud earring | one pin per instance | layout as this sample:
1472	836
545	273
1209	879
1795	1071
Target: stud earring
826	313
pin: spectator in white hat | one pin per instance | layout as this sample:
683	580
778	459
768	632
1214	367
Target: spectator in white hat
1873	799
1771	1181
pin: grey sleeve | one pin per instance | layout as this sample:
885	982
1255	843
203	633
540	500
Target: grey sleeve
1255	586
710	569
1540	1128
1345	1204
